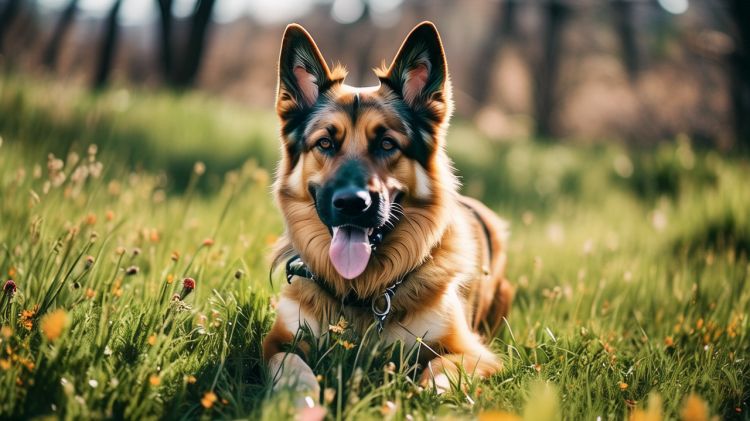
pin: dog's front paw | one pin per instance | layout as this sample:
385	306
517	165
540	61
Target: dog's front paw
439	381
289	371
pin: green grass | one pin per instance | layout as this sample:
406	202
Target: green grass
631	269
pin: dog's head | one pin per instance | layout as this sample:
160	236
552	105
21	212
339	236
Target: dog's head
357	162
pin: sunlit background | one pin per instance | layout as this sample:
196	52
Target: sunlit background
640	71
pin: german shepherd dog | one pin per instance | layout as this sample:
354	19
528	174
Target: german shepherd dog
376	231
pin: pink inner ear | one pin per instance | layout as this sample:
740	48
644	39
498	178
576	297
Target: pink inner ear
307	84
416	79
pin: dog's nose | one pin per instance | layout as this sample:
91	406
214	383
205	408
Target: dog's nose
351	201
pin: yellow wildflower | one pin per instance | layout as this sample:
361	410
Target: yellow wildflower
27	317
208	399
347	345
694	409
652	413
116	290
498	416
26	363
53	324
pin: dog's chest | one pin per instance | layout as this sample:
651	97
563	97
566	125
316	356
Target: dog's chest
429	324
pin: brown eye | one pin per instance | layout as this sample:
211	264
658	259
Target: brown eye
388	144
325	144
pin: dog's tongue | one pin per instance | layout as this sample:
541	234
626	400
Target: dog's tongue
350	251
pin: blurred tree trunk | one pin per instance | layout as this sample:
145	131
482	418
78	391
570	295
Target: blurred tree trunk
739	71
363	26
545	83
196	43
501	27
509	19
52	50
6	18
165	44
623	15
356	42
107	47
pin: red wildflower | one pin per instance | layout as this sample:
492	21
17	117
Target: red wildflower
9	288
188	285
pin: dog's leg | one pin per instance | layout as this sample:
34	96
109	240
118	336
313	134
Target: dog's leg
286	369
465	354
289	371
446	369
499	308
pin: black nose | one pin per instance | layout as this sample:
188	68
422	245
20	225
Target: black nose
351	201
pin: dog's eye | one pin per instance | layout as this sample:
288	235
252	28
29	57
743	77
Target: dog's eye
325	144
388	144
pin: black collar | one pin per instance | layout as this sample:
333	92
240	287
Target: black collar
379	305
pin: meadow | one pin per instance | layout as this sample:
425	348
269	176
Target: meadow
135	230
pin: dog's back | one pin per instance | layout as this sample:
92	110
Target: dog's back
490	293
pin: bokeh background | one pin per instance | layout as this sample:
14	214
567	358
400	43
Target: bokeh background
636	71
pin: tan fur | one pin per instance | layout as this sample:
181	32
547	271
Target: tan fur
453	291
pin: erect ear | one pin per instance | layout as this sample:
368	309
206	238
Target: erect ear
303	74
419	73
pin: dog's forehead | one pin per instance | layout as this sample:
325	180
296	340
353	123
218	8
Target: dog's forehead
345	89
348	106
347	95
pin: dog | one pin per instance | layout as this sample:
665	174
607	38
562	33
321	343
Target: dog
376	231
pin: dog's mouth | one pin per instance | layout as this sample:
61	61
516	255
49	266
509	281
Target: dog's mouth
350	249
352	245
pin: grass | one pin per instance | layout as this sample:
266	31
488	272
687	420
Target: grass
631	268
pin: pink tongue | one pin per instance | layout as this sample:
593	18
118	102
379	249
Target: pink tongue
350	251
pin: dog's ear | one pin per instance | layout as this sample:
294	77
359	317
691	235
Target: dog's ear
303	74
419	73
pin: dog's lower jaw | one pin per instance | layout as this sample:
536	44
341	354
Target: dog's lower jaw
289	371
